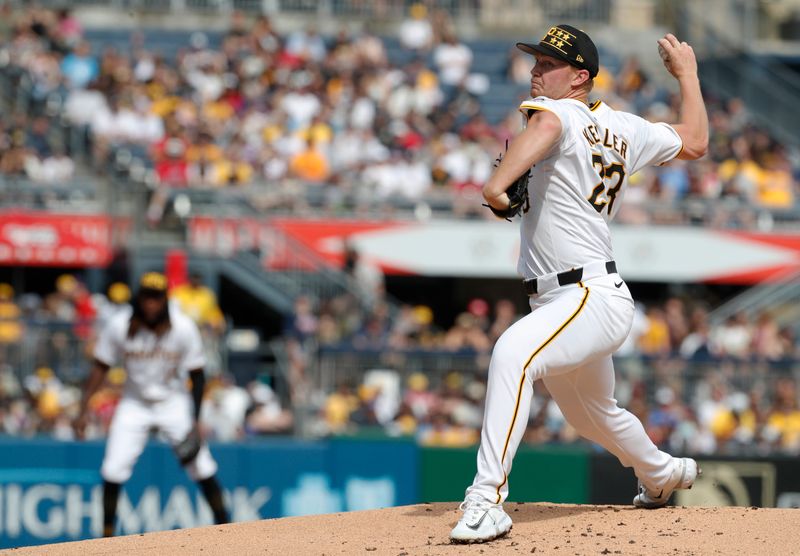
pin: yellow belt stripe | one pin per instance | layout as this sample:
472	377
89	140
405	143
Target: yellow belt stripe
522	382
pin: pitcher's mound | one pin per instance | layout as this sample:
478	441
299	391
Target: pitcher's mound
423	529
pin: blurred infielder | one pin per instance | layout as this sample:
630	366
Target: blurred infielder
160	348
566	173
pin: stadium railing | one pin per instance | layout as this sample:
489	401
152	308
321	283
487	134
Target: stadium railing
78	195
778	298
56	345
344	364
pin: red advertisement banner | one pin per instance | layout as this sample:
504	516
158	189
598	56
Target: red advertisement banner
49	239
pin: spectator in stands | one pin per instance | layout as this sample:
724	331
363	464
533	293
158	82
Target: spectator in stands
655	340
38	138
413	329
375	331
418	398
776	188
367	275
60	304
172	168
442	431
68	28
733	338
13	153
231	169
266	416
675	317
740	172
734	422
11	326
466	334
663	420
415	32
223	413
338	407
85	311
104	402
453	60
79	67
58	168
697	343
783	422
310	165
766	340
307	45
81	105
200	303
117	300
505	314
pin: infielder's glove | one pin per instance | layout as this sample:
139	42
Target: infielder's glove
517	195
188	448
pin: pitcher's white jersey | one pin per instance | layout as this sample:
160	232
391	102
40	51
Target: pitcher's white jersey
578	188
157	367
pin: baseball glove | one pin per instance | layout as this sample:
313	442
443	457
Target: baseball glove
517	195
188	448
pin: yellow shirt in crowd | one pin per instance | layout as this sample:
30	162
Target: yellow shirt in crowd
200	304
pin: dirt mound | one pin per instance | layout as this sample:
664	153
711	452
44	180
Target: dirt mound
422	529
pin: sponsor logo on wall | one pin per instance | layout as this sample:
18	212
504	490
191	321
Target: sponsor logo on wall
731	483
67	503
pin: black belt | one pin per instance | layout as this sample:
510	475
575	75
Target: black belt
564	278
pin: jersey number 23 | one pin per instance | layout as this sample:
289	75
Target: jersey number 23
605	193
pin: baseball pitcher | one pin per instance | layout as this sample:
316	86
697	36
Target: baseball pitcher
160	348
566	175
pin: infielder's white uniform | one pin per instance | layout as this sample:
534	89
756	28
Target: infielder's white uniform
155	393
568	338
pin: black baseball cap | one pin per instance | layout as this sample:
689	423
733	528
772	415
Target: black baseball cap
569	44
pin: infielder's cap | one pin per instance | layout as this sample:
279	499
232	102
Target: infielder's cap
153	283
569	44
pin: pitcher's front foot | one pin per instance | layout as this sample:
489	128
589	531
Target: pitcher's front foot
482	521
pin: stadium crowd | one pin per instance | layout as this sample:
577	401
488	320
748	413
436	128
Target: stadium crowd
698	388
307	113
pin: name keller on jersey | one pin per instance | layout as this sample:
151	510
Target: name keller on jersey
610	140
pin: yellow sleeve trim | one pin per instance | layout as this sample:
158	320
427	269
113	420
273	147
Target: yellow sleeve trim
528	105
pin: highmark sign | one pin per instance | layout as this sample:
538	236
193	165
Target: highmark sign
49	511
63	501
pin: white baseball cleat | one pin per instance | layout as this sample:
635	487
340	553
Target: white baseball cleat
482	521
684	473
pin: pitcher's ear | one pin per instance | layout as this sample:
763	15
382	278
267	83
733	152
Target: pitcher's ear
581	76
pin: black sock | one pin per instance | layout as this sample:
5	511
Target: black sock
110	497
213	494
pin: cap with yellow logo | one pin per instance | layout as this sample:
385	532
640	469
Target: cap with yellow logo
569	44
153	283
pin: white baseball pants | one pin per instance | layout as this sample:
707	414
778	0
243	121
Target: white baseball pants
130	429
567	340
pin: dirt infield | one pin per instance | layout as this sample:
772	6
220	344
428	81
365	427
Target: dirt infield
422	529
